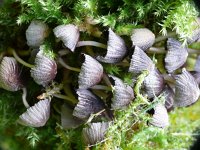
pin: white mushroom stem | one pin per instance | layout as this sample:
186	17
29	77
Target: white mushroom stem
101	87
24	98
91	43
20	60
61	61
69	99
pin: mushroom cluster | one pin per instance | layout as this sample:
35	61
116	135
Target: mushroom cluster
96	94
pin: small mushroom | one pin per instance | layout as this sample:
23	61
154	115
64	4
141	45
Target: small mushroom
197	64
168	93
176	55
10	75
91	73
37	115
154	83
88	104
116	49
186	89
95	132
45	69
143	38
160	117
36	33
196	32
69	34
140	62
122	94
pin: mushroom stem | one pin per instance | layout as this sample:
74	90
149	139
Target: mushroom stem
106	79
24	98
101	87
20	60
168	78
61	61
91	43
161	38
69	99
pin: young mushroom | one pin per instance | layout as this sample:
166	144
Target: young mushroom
45	68
122	94
91	73
143	38
37	115
186	89
176	55
95	133
116	49
69	34
36	33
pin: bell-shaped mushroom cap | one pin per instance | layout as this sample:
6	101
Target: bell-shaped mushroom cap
140	62
186	89
69	34
95	132
67	119
37	115
168	93
122	94
116	49
143	38
197	64
91	73
10	75
36	33
176	55
88	104
45	69
153	83
160	117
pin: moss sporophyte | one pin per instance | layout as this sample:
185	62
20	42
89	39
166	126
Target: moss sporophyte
101	81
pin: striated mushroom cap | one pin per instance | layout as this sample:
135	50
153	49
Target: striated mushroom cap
67	119
116	49
143	38
10	75
45	69
140	62
176	55
68	34
88	104
36	33
122	94
95	132
154	83
197	64
37	115
186	89
160	117
91	73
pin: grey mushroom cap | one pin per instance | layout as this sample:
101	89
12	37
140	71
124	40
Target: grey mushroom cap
36	33
196	75
67	119
116	49
140	62
88	104
186	89
160	117
68	34
176	55
10	75
169	95
45	69
95	132
122	94
153	83
37	115
91	73
197	64
143	38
